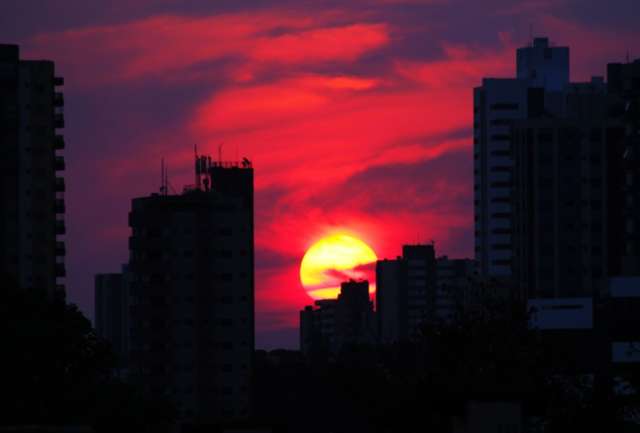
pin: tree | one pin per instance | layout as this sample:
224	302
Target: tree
55	370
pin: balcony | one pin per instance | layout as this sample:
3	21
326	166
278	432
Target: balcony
61	249
60	186
60	227
58	120
58	142
59	163
59	206
58	81
58	99
60	270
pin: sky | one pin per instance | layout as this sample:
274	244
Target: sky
357	115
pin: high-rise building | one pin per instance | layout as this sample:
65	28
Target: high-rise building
111	302
390	296
406	292
192	293
338	323
354	315
318	327
623	84
32	249
542	74
560	197
575	195
454	286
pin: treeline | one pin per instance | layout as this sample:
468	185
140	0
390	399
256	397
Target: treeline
55	371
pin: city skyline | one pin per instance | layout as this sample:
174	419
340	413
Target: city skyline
285	89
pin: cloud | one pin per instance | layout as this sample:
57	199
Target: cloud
158	46
357	115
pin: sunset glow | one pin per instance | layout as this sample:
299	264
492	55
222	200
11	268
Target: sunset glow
354	114
333	260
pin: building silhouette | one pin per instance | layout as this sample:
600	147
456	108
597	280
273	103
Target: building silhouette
111	312
560	198
574	198
318	328
454	288
32	226
335	324
406	292
623	85
541	69
192	293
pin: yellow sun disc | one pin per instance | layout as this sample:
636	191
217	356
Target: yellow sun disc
331	261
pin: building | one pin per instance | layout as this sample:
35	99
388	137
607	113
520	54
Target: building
390	296
32	248
406	292
192	293
318	328
335	324
354	318
623	85
111	311
541	69
576	255
560	199
454	287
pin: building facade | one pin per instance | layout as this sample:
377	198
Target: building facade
406	292
541	69
454	287
331	325
623	85
192	293
32	227
560	201
111	312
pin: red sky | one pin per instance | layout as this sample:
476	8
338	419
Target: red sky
357	115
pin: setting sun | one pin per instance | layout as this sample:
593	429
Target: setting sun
332	260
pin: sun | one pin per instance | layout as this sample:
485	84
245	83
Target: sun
332	260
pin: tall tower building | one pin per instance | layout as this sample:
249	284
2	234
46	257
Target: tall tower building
542	73
560	197
32	207
192	292
406	292
623	83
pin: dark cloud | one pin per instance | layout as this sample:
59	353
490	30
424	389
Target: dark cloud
267	259
441	184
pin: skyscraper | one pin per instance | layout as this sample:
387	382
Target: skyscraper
455	282
192	292
623	85
541	69
32	249
406	292
560	197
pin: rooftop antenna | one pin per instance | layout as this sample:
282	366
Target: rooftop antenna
220	153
